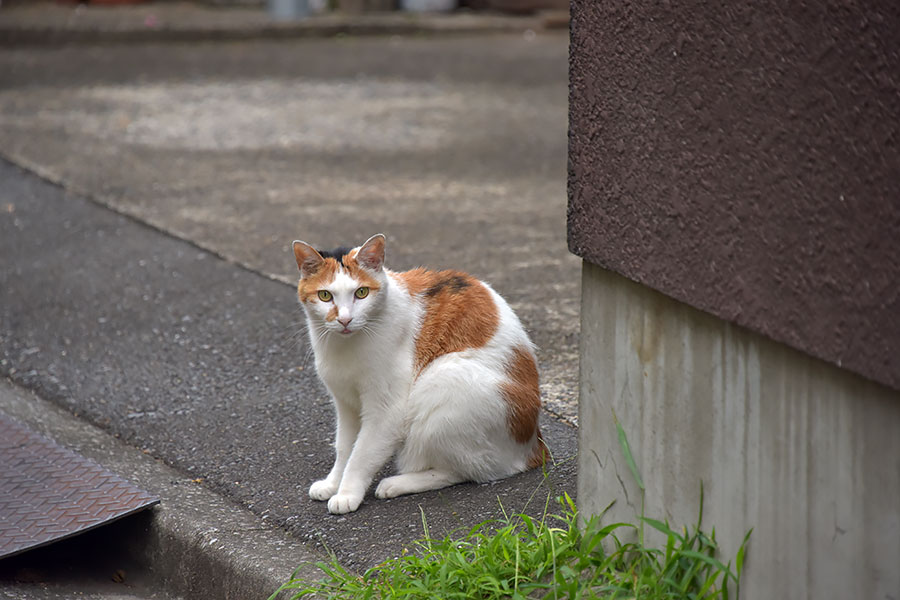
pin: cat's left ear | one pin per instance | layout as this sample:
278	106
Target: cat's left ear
371	254
308	259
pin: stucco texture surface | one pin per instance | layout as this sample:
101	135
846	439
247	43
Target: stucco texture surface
745	159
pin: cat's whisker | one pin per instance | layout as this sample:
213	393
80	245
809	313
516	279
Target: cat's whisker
295	335
373	324
306	358
298	337
321	333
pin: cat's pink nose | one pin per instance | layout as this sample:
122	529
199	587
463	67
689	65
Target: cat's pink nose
345	322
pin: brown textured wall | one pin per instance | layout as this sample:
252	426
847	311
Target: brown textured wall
745	158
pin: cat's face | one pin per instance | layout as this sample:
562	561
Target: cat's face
341	290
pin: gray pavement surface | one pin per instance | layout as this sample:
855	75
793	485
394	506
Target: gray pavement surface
146	278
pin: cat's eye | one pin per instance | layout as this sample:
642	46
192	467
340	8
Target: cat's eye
362	292
324	295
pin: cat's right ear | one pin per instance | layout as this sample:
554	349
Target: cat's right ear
371	254
308	259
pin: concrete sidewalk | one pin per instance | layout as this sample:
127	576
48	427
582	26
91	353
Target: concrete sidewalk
54	23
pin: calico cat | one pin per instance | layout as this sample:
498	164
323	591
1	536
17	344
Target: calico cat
433	364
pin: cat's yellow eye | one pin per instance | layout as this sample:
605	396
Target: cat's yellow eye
324	295
362	292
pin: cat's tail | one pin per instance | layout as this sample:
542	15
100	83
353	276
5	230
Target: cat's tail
540	454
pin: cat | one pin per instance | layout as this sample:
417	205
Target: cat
433	365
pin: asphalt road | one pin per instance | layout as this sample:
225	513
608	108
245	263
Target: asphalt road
147	290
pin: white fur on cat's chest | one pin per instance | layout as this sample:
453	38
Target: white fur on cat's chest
350	367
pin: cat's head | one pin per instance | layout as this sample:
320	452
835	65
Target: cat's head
342	290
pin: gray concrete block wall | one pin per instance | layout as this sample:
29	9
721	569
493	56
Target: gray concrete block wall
805	453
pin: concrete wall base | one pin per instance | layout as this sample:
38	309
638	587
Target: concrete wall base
803	452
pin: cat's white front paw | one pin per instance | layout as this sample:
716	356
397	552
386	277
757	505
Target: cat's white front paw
322	490
340	504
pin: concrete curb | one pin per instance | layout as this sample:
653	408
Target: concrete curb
197	544
51	24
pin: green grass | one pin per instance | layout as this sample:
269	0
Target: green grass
557	556
561	555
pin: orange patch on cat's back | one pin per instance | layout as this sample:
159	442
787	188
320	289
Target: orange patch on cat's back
522	394
460	313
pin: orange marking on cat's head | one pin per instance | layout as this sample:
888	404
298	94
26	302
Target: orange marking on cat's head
522	394
460	313
313	270
364	262
319	279
364	276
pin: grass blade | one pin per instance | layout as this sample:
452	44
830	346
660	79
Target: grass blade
662	527
626	450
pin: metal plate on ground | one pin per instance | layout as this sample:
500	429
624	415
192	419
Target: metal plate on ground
49	493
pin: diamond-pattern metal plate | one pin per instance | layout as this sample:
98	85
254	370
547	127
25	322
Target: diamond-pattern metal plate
49	493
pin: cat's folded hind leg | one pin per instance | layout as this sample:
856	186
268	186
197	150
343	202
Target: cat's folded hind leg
415	482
